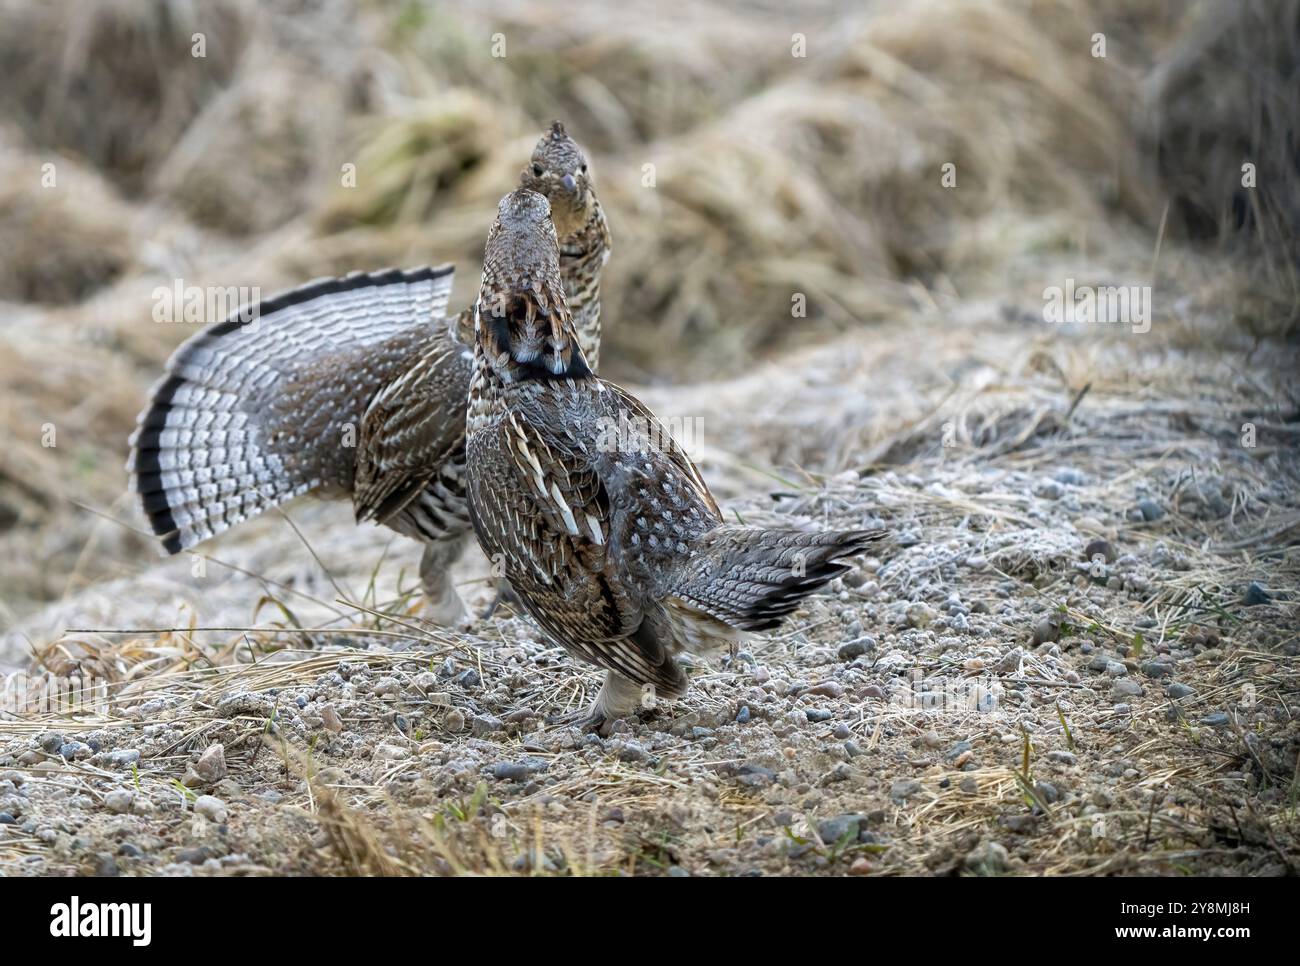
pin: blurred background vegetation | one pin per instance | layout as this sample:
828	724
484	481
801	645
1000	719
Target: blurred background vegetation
774	174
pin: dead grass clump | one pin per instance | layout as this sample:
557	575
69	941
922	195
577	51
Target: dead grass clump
65	233
411	165
271	145
621	80
1228	95
828	186
117	82
246	164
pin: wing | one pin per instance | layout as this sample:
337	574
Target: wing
541	508
662	442
251	410
411	429
554	525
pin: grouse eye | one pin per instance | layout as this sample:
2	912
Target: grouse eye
537	171
583	169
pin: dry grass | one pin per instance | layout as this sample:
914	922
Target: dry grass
1224	97
920	391
116	86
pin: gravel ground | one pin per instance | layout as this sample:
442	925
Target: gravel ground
1076	654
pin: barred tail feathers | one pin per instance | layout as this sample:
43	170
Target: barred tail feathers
753	579
199	462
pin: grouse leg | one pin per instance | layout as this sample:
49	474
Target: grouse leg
619	697
442	604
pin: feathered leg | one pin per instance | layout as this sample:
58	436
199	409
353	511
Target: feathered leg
622	697
619	697
442	604
505	595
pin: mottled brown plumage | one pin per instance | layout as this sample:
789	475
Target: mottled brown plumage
350	388
618	551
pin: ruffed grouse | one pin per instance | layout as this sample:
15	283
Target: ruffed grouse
348	388
603	526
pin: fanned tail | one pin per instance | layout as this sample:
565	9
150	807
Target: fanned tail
753	579
202	458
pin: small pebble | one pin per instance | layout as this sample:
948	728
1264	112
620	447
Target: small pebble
1099	548
841	827
1049	490
486	724
987	858
919	614
755	776
329	718
211	766
512	771
1010	662
426	681
853	649
1125	688
904	788
211	808
1047	630
1150	510
1256	594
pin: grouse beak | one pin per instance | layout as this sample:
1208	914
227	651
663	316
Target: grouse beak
570	185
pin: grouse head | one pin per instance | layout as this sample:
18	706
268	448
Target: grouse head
522	320
558	170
